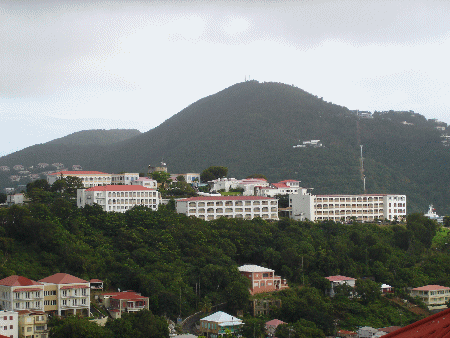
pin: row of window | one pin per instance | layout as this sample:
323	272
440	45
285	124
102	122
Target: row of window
230	203
227	210
132	194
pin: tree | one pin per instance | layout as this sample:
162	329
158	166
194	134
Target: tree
142	324
161	177
213	173
180	178
368	290
77	327
257	176
3	198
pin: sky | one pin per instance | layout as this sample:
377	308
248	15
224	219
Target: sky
75	65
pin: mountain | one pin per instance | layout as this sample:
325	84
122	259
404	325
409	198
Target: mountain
253	127
96	137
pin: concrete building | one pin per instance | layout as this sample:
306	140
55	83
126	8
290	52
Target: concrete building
16	199
9	324
33	324
20	293
435	296
213	207
248	185
128	301
220	323
118	198
124	178
262	279
365	207
65	295
337	281
89	178
189	178
146	182
286	187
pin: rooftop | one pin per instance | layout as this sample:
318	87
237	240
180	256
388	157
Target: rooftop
119	188
254	268
225	198
338	278
16	280
62	278
78	173
223	319
431	288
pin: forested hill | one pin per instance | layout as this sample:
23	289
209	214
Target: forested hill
252	127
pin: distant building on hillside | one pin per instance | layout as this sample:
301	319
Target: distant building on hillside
128	301
432	295
124	178
89	178
262	279
286	187
162	167
364	207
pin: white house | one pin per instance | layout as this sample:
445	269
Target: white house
365	207
9	324
124	178
146	182
118	198
213	207
286	187
190	178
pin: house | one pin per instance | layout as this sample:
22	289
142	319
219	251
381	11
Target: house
16	199
96	284
146	182
118	198
385	288
337	281
189	178
364	207
369	332
128	301
248	184
262	279
434	326
435	296
219	323
286	187
65	295
271	326
33	324
20	293
214	207
263	306
9	323
346	334
89	178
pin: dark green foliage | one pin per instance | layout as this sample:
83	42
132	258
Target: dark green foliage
76	327
142	324
213	173
3	198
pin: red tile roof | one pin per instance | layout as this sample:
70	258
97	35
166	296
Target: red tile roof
128	295
225	198
431	288
78	172
16	280
274	322
338	278
96	280
119	188
62	278
74	287
29	289
280	185
435	326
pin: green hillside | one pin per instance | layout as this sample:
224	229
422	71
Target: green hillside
252	127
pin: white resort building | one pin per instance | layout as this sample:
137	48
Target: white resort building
365	207
89	178
213	207
119	198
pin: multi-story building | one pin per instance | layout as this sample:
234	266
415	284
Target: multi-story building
432	295
190	178
262	279
286	187
33	324
20	293
365	208
248	184
89	178
213	207
9	324
65	294
118	198
146	182
124	178
128	301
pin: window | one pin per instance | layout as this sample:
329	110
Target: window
10	317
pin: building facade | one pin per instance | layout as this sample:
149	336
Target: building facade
432	295
89	178
20	293
128	301
365	208
219	323
9	324
262	279
33	324
124	178
65	295
214	207
118	198
286	187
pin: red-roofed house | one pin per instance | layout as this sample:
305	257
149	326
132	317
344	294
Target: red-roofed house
65	294
127	301
89	178
96	284
118	198
20	293
346	334
262	279
271	326
435	326
339	280
286	187
213	207
432	295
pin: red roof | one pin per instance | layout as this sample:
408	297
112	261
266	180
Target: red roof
225	198
29	289
96	281
119	188
435	326
128	295
78	172
74	287
62	278
338	278
16	280
431	288
274	322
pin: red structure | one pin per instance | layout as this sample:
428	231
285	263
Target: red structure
262	279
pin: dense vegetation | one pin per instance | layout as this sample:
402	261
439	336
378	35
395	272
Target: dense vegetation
252	127
164	255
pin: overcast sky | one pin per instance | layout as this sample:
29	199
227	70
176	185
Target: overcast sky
67	66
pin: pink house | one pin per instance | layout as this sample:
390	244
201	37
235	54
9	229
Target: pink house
128	301
262	279
271	326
